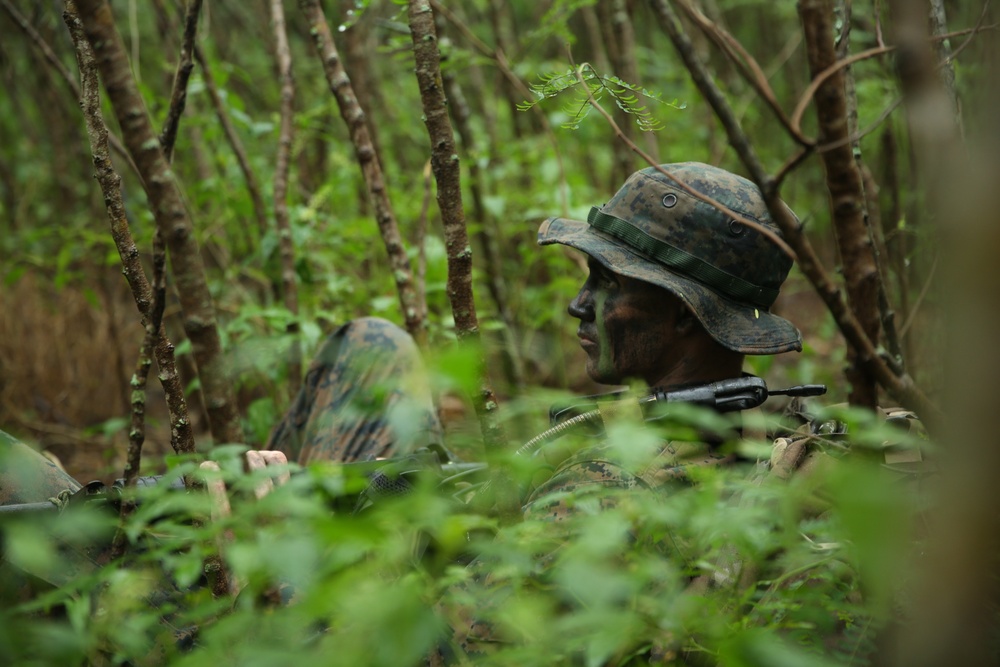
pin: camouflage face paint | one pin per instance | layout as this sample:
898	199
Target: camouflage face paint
605	364
626	327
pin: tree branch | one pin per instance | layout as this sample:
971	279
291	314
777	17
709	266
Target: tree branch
444	163
354	118
181	436
901	387
178	96
747	66
170	214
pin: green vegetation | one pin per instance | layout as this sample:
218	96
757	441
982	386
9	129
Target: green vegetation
732	570
378	587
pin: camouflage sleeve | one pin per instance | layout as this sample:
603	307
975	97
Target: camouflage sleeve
27	476
556	498
598	469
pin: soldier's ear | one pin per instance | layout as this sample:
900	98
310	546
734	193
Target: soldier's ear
685	321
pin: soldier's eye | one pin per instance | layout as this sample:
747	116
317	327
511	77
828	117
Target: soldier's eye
606	278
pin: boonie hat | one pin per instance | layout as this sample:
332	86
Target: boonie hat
726	272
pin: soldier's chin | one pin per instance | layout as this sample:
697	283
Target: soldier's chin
602	376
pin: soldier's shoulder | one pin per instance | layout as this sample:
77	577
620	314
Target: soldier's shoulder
896	435
590	470
27	476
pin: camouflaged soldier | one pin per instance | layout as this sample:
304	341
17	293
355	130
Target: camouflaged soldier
678	293
365	396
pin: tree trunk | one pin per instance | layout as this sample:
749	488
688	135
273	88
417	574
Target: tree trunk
444	162
843	179
170	214
181	435
282	161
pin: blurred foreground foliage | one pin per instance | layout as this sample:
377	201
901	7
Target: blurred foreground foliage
736	569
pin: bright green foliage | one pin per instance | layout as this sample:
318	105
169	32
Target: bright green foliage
625	96
609	586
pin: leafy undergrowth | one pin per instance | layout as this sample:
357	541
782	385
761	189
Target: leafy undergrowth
734	569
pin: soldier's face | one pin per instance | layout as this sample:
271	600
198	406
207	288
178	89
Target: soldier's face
627	326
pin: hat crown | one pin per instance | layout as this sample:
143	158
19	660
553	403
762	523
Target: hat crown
693	238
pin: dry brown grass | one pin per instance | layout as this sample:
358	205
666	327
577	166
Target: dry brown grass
66	356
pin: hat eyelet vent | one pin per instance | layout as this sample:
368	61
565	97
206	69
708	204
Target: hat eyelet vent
670	200
736	228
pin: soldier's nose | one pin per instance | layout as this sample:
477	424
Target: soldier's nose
582	306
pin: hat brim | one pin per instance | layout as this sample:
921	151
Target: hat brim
736	326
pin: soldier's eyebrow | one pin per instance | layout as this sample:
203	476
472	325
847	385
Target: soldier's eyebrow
602	272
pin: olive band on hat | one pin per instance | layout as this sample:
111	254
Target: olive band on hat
682	262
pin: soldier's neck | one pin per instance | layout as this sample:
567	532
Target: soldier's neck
707	362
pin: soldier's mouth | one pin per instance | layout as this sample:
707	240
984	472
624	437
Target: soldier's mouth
586	340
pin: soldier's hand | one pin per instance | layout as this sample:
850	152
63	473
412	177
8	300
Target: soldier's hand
253	460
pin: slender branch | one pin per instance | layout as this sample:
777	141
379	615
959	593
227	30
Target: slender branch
170	214
53	60
181	435
178	96
887	314
822	77
445	165
939	26
421	235
137	431
498	57
920	299
771	236
901	387
894	241
819	79
878	23
860	134
282	163
233	137
972	32
747	66
790	165
354	118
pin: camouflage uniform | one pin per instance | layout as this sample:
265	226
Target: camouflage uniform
28	477
726	272
365	396
601	467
